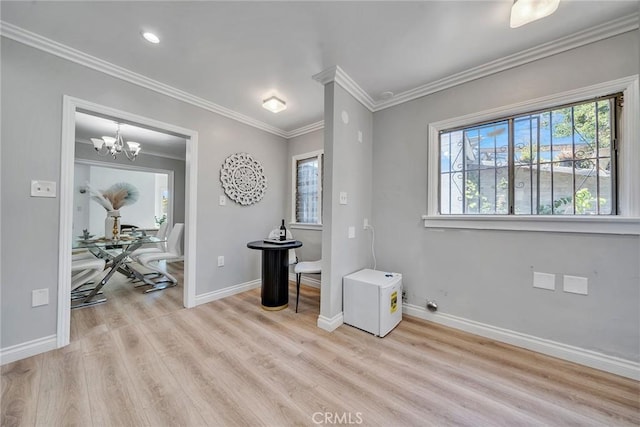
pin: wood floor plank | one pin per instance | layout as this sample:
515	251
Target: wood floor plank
20	389
198	382
145	360
162	398
63	399
113	397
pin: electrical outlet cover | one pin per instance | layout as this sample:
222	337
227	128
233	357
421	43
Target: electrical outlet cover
576	285
544	281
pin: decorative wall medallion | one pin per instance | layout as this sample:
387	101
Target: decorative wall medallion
243	179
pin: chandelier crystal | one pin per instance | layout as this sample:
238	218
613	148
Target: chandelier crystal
108	145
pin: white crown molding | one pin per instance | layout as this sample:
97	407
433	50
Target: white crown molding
591	35
305	129
37	41
332	74
337	74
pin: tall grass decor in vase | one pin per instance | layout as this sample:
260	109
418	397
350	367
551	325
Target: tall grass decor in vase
112	199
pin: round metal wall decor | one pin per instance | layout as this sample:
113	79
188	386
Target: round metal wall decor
243	179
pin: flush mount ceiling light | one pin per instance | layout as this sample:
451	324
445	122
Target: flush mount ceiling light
150	37
274	104
525	11
114	146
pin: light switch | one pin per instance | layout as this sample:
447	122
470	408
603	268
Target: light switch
544	281
43	188
352	232
220	261
359	136
576	285
343	197
223	200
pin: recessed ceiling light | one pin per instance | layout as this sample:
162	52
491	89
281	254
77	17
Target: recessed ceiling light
150	37
274	104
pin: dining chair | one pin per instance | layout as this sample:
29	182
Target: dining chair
173	252
158	247
275	235
84	270
305	267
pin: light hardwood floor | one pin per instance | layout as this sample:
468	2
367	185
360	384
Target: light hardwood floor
143	360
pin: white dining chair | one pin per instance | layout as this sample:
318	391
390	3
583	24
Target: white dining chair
163	230
305	267
152	260
85	270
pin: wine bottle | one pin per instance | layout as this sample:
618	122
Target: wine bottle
283	231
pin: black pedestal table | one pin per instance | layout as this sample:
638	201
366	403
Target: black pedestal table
275	273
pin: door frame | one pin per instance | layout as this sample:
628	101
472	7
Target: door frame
67	159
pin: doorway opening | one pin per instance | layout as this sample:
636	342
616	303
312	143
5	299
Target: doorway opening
71	109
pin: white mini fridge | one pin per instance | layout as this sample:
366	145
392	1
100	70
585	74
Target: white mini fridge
372	301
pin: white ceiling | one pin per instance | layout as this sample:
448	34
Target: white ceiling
151	142
235	54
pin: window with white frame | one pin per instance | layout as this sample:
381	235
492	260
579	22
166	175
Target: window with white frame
559	161
307	188
565	162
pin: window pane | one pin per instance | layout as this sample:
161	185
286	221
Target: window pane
481	155
559	160
573	154
307	191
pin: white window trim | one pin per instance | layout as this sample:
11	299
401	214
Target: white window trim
294	179
627	222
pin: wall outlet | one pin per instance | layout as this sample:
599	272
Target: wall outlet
43	188
220	261
223	200
576	285
365	223
343	197
39	297
352	232
544	281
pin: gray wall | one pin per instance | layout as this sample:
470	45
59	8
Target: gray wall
347	168
33	84
311	249
486	276
86	152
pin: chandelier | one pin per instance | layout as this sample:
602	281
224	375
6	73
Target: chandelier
108	145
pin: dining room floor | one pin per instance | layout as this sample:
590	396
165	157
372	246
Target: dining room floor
127	305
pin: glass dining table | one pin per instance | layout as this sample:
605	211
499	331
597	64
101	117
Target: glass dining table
116	254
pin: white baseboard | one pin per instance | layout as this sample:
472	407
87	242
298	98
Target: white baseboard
330	324
28	349
305	280
227	292
614	365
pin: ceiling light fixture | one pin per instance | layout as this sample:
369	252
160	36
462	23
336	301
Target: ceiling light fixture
108	145
150	37
525	11
274	104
